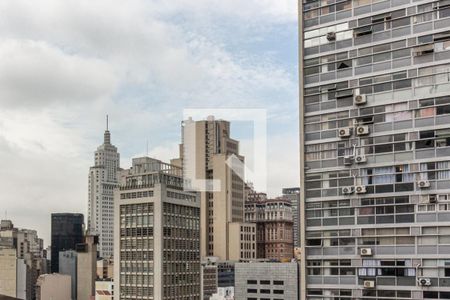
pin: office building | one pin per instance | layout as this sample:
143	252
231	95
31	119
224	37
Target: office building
375	155
53	287
293	195
206	146
157	229
67	231
209	278
102	181
265	280
68	266
274	225
86	267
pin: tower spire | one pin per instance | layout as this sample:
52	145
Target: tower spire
107	136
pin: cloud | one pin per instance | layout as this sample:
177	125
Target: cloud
65	64
33	74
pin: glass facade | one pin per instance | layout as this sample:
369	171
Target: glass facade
375	132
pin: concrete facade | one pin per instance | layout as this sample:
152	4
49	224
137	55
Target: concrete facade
104	290
86	267
264	280
53	287
157	226
375	149
207	146
8	272
102	181
68	266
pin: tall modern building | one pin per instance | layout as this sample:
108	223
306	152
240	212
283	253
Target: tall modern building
157	229
102	181
67	232
206	147
375	156
293	195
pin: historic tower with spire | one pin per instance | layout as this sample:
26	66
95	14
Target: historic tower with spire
102	181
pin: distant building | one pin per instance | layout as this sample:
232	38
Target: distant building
86	267
104	290
8	272
67	231
105	268
53	287
158	226
242	241
206	147
209	278
223	294
273	219
293	195
68	266
102	181
225	273
29	259
265	280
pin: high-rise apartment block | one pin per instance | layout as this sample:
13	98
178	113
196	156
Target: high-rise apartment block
53	287
375	156
157	229
67	232
206	148
68	266
102	181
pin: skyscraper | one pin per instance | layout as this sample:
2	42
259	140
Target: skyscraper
293	195
206	147
157	229
67	231
375	156
102	181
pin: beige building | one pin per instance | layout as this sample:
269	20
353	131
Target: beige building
53	287
8	272
105	268
86	267
205	150
104	290
242	241
157	233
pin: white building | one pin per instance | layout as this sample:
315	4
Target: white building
104	290
226	293
102	181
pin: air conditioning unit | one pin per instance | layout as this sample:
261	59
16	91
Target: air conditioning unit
360	189
360	159
362	130
424	281
348	160
423	184
346	190
331	36
365	251
345	132
359	99
369	284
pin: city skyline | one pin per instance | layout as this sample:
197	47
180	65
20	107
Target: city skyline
54	131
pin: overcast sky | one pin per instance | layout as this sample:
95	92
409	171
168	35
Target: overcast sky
64	65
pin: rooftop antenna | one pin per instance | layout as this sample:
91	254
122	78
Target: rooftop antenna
107	122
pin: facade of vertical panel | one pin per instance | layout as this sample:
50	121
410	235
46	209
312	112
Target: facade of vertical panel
375	155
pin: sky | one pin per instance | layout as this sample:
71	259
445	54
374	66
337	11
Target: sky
64	65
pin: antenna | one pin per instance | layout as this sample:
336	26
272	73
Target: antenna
107	121
147	147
